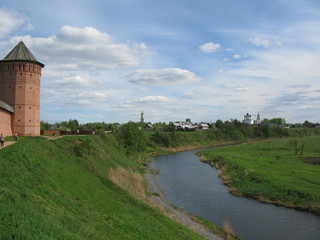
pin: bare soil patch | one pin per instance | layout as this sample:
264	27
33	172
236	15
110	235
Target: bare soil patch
311	160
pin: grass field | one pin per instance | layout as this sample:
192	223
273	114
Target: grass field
283	171
60	189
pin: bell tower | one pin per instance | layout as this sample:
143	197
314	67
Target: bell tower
20	74
142	117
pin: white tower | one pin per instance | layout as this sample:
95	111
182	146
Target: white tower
258	121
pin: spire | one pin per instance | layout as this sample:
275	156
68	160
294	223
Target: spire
22	53
142	117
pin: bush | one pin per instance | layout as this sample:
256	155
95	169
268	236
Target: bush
131	137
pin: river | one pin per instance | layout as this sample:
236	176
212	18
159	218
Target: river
196	187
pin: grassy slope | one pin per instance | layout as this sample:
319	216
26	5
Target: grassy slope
271	172
59	189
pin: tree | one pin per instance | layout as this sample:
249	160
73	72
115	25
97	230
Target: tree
307	124
219	124
278	121
131	137
73	125
45	125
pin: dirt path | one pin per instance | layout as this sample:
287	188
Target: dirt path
7	143
178	214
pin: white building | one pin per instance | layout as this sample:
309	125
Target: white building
258	121
247	119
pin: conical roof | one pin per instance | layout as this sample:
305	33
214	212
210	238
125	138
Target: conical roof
21	53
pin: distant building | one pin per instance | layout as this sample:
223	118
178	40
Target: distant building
20	74
142	117
247	119
190	127
258	121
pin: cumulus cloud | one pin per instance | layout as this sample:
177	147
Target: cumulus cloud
165	76
86	49
67	97
75	82
260	42
209	47
10	21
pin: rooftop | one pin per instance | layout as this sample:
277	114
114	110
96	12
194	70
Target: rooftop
22	53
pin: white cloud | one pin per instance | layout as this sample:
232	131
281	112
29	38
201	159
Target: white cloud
260	42
85	49
236	56
238	87
209	47
67	97
153	99
165	76
75	82
11	21
298	86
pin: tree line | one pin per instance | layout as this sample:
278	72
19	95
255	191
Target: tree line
133	137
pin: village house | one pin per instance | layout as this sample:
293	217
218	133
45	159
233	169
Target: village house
188	126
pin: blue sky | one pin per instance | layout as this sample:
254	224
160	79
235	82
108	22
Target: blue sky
108	60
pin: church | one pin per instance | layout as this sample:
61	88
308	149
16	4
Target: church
20	74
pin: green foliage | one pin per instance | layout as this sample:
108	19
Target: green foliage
278	121
102	126
59	189
73	125
131	137
45	125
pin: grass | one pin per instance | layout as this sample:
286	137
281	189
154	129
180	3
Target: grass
272	171
60	189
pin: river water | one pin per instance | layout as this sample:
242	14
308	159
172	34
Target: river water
196	187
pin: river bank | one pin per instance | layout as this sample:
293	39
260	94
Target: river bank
196	187
270	172
179	215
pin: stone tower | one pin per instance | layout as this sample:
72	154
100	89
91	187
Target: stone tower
20	74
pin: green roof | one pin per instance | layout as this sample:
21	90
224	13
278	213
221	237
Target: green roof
21	53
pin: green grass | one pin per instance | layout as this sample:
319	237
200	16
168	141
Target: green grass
271	172
59	189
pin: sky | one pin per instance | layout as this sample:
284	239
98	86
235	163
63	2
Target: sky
109	60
